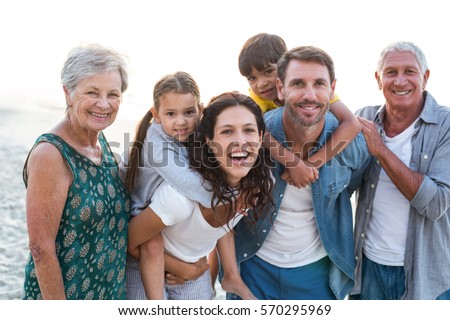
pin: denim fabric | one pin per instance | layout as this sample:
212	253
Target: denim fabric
444	296
331	200
381	282
309	282
427	254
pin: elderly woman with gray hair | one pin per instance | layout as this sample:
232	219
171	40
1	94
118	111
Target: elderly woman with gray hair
77	207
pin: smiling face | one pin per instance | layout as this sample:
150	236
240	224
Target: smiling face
402	80
95	101
178	114
236	142
307	92
263	83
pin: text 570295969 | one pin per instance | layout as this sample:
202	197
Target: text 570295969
294	309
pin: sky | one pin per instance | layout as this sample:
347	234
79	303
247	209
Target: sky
204	38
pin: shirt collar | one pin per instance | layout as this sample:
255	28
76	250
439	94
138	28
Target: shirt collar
330	125
427	115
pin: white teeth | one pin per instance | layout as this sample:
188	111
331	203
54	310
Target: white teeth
401	93
100	115
239	154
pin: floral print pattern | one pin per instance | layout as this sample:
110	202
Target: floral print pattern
92	238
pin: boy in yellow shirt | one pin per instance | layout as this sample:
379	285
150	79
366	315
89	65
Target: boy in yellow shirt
258	63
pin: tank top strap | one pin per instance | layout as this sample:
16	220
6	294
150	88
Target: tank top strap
64	148
109	160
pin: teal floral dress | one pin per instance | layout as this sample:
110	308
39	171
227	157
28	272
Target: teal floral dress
91	242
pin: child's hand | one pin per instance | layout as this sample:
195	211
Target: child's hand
300	175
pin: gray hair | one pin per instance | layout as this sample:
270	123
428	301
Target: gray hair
89	60
404	46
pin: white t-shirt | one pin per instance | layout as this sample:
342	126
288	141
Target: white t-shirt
188	236
294	240
386	233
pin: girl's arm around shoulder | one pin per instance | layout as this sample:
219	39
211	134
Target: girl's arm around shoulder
348	129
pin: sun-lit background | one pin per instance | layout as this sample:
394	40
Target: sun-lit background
204	39
197	36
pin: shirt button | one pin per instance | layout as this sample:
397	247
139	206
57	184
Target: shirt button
258	244
372	186
367	210
425	157
356	258
362	235
245	255
274	213
281	195
264	231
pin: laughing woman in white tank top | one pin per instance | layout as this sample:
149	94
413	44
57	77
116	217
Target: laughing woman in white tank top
226	151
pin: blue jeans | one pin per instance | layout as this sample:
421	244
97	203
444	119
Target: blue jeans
269	282
380	282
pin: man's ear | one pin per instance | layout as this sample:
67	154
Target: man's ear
426	75
155	115
377	76
333	85
280	90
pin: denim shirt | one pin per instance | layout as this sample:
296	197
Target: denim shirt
427	253
331	200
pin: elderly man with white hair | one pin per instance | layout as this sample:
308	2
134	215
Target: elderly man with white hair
402	229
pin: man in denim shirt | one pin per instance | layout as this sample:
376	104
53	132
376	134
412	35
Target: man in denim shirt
402	227
303	248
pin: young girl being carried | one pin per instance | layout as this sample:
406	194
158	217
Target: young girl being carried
158	154
226	152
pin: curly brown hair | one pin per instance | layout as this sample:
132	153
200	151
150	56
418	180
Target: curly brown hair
255	188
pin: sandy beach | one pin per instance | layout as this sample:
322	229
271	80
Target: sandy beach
21	122
18	129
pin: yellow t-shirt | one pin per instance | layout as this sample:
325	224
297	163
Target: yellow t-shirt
267	105
264	104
